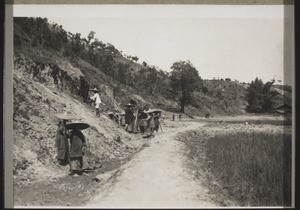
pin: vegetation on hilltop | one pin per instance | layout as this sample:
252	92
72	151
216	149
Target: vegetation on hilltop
121	78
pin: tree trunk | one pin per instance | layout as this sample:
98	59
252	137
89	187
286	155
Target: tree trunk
182	105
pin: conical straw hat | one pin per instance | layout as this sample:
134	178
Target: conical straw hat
77	126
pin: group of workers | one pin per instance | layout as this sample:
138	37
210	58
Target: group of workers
138	120
71	143
135	120
142	120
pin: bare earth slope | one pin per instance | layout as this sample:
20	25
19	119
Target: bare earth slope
155	177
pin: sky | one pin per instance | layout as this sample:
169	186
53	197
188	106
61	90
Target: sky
237	42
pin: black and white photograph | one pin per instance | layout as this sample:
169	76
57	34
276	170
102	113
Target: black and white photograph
153	106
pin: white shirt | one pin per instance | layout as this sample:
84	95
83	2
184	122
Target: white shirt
97	97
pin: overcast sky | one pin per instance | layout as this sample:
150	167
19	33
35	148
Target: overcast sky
238	42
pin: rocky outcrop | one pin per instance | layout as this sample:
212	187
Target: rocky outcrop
63	76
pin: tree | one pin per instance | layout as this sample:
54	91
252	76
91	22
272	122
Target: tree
76	44
151	81
96	44
255	96
135	58
268	96
91	36
84	88
144	64
108	65
122	70
112	48
260	96
185	80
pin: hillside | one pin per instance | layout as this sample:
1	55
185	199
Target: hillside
35	104
119	77
53	73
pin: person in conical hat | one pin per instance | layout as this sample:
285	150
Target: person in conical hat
97	100
61	143
149	128
142	122
157	115
151	123
77	151
129	117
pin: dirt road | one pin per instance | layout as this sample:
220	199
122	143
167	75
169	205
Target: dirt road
155	177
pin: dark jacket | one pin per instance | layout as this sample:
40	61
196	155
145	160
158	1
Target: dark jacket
61	142
77	141
151	122
128	115
156	120
142	119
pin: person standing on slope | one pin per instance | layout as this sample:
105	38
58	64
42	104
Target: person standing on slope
97	100
61	139
61	143
77	151
150	122
156	121
129	117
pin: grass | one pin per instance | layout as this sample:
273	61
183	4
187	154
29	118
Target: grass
255	167
269	122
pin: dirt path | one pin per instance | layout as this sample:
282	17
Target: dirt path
155	177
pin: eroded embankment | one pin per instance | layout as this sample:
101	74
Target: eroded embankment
242	165
37	176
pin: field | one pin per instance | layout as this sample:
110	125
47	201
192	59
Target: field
251	164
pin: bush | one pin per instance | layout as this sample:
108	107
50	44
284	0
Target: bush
260	96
